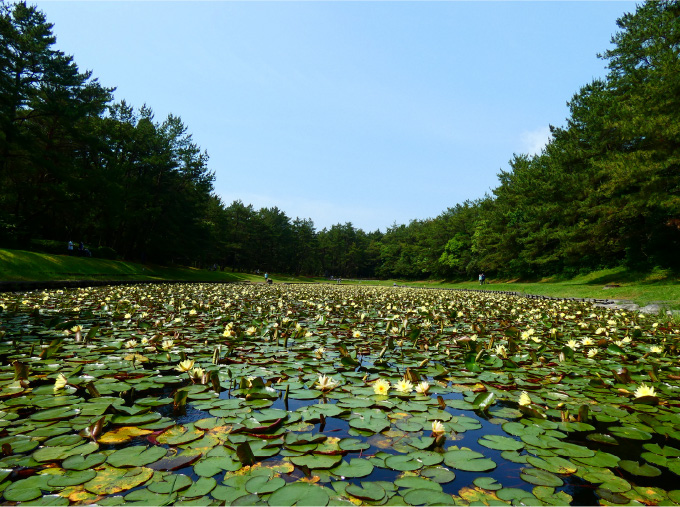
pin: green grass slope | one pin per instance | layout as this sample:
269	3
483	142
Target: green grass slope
22	266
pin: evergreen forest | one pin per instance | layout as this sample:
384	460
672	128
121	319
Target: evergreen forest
605	191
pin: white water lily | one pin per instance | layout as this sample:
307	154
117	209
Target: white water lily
593	352
319	352
656	349
167	344
587	341
185	365
326	383
423	387
573	344
644	390
130	344
438	428
501	351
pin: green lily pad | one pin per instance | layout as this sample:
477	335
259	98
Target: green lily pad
469	461
500	443
299	493
169	484
630	432
488	483
136	456
72	478
356	467
415	482
263	484
540	477
602	438
316	461
369	491
62	452
427	497
201	487
403	463
635	468
440	475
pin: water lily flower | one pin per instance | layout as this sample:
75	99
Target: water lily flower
382	386
185	365
167	344
524	399
423	387
130	343
75	329
501	351
128	315
593	352
587	341
438	428
356	333
319	352
572	344
251	330
656	349
403	386
196	373
60	383
326	383
644	390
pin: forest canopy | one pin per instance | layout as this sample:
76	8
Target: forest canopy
605	191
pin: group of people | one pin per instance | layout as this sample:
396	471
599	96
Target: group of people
482	278
81	252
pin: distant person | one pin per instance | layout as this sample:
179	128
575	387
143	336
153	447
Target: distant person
483	278
266	278
69	248
81	249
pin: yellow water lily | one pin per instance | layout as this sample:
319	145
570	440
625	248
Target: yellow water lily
382	386
319	352
196	373
524	399
501	351
403	386
656	349
185	365
60	383
644	390
593	352
130	344
251	330
587	341
167	344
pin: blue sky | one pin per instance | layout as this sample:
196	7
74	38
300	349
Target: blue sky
364	112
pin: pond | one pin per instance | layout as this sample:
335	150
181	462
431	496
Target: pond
209	394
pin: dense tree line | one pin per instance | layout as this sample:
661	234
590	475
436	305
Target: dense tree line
605	191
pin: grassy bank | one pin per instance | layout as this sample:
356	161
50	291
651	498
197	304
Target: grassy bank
641	288
19	266
618	283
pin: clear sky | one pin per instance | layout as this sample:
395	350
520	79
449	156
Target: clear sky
356	111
